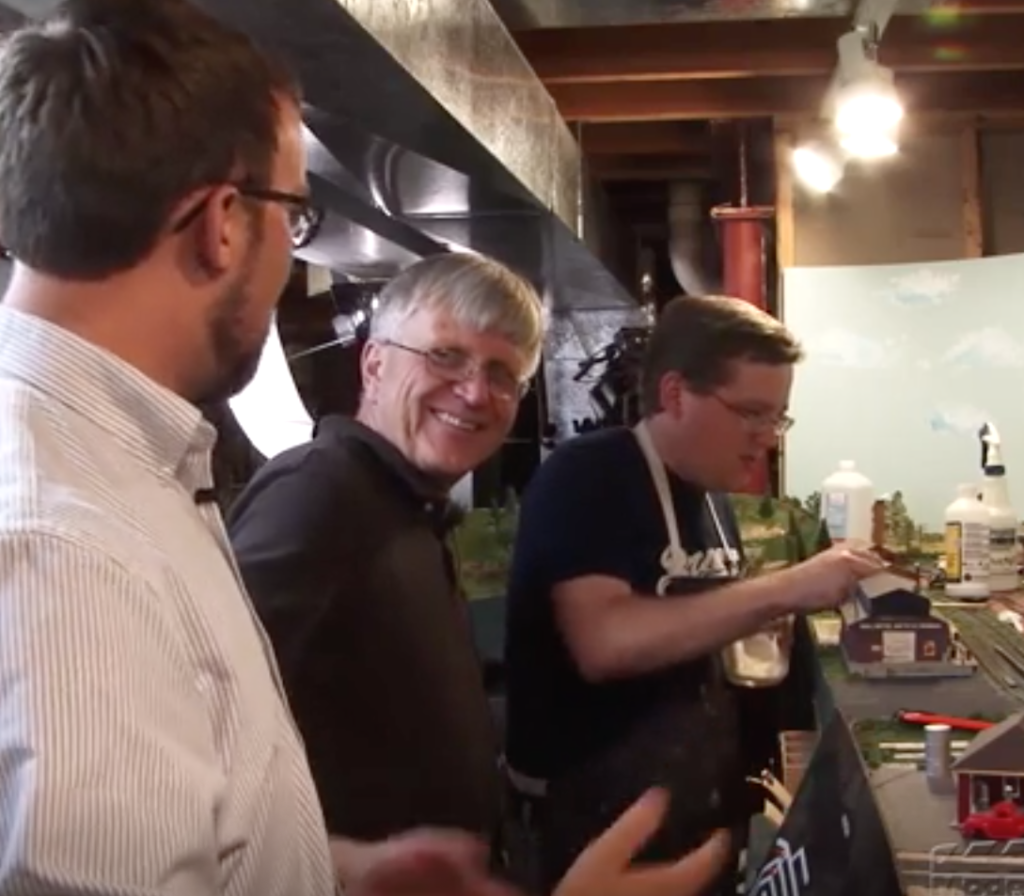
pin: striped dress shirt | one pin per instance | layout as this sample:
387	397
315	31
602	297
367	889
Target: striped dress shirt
145	744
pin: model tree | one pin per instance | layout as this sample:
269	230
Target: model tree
796	546
900	528
823	541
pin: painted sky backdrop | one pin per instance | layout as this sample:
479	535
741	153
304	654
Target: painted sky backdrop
904	364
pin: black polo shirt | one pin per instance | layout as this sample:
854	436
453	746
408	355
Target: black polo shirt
341	543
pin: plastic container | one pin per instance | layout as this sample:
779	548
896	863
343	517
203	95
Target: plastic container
967	548
847	497
1003	521
760	660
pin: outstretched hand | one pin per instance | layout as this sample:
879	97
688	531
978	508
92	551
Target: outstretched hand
420	863
604	868
828	578
449	863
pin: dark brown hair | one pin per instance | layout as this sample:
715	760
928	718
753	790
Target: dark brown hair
701	337
111	113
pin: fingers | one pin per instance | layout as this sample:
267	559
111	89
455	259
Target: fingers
457	847
615	848
428	874
605	860
425	862
408	873
860	562
690	876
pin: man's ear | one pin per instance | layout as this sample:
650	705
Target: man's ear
370	363
672	394
218	231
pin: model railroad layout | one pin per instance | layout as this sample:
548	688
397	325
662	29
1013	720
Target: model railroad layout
998	646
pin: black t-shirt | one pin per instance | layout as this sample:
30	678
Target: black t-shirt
592	509
341	545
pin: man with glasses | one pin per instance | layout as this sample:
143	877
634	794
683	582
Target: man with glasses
145	743
343	545
625	588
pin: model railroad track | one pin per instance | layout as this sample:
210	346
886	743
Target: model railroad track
984	868
997	646
1011	602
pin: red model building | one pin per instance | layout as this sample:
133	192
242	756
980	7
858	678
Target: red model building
989	776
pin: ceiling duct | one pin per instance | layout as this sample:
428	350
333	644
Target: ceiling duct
686	225
442	78
428	131
428	128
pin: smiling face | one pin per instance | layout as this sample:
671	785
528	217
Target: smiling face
717	439
445	424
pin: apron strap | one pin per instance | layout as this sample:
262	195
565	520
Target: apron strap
661	486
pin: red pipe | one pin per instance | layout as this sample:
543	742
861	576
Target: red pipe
743	257
914	717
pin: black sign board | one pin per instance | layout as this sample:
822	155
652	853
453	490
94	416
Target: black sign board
833	841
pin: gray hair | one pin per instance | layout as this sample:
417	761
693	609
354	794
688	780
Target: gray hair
478	292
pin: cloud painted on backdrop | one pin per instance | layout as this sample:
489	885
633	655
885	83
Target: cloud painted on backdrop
845	348
960	420
923	288
988	347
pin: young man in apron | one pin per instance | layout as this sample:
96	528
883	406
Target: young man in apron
626	587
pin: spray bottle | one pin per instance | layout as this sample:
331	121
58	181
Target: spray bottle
967	546
1003	521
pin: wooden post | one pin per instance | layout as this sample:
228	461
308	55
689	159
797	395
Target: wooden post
970	181
785	249
785	233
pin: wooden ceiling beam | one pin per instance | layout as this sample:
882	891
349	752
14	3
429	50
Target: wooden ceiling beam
991	94
941	41
648	167
680	138
983	7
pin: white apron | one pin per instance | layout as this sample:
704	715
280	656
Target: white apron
759	660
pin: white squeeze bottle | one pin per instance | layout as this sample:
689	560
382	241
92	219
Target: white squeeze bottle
967	528
1003	522
847	497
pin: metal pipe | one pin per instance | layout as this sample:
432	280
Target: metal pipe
938	757
744	177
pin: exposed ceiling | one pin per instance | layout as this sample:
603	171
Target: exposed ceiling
654	89
670	62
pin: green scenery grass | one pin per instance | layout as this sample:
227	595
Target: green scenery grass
774	532
483	547
483	541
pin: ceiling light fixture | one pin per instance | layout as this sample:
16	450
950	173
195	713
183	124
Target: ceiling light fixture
817	166
867	108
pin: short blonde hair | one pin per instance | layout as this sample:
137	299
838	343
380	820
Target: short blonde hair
478	292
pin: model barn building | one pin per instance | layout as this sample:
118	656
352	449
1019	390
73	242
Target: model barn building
889	630
991	769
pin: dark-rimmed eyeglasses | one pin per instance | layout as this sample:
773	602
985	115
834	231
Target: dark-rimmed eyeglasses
304	218
759	421
457	366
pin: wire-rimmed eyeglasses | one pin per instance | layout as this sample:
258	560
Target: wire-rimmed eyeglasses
759	421
457	366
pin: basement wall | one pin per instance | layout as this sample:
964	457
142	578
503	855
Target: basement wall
948	195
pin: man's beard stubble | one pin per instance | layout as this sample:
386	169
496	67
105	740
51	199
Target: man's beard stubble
236	353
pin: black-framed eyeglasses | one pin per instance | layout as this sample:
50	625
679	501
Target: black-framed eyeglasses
457	366
304	218
759	421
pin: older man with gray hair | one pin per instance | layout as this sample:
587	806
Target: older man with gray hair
342	544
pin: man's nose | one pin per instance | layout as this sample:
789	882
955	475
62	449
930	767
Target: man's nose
766	438
474	389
